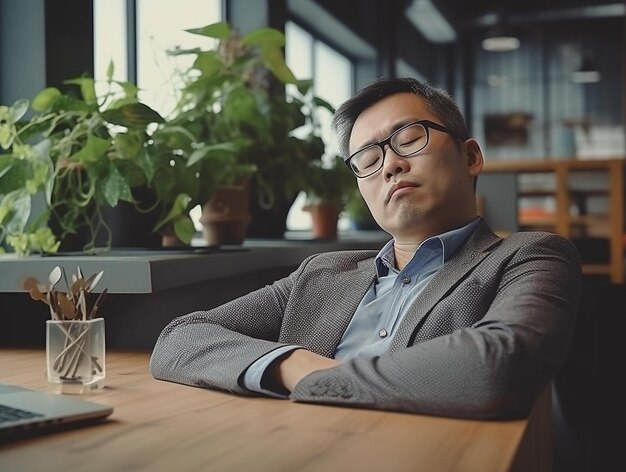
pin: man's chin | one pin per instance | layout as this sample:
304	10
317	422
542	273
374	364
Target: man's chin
408	220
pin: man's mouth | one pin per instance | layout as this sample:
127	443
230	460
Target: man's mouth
399	186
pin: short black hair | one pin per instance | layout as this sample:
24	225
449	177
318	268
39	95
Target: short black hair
438	102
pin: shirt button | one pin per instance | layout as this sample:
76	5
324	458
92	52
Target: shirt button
383	333
406	279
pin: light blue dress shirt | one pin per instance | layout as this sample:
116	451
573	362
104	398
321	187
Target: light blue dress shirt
386	302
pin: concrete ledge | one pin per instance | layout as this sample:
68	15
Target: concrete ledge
137	271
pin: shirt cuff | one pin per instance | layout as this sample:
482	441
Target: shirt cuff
254	374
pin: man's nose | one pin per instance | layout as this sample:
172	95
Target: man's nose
394	164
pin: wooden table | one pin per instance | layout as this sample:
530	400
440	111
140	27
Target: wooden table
160	426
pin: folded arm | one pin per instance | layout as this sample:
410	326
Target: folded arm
213	348
525	305
494	368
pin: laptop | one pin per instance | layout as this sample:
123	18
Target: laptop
25	412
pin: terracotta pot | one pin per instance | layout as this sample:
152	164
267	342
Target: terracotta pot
171	240
324	218
225	217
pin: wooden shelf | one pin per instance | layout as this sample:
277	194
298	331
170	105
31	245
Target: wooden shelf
547	166
563	197
597	269
537	193
589	220
574	192
537	220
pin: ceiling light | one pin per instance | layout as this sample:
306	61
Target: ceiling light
429	20
499	38
500	43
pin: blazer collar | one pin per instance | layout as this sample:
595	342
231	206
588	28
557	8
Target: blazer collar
477	247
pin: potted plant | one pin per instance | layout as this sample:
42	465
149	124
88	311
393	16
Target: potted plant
234	124
84	152
328	188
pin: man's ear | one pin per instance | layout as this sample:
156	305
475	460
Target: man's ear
475	158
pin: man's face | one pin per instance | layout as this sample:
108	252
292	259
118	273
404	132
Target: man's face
431	192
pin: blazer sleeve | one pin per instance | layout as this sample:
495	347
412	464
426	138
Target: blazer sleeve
494	368
214	348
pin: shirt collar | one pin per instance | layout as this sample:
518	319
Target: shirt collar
448	243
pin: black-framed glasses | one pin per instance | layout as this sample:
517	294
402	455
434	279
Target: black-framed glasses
405	142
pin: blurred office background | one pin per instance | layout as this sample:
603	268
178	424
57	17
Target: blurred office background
538	81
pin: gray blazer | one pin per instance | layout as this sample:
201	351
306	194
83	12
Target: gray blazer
485	336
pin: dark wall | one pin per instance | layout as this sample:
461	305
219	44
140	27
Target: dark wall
384	27
69	40
22	58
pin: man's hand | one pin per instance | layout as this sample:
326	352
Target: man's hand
289	370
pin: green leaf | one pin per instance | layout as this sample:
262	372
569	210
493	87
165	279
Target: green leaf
19	109
145	162
8	130
206	150
7	136
118	103
320	102
110	71
178	207
178	51
129	88
174	137
19	243
275	60
264	36
45	99
87	89
14	173
4	211
332	183
304	85
115	187
128	145
43	240
39	177
93	150
42	151
6	163
18	203
184	228
219	30
241	113
208	63
133	115
68	103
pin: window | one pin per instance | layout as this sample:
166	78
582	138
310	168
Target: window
332	80
110	38
160	26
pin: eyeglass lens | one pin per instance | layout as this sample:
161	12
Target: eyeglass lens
404	142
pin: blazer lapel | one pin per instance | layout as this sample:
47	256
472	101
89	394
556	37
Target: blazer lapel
473	251
353	286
